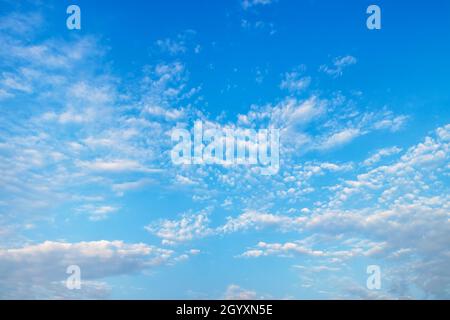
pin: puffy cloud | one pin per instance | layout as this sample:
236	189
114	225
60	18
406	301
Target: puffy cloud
32	270
282	249
444	133
292	112
235	292
395	212
257	220
386	152
189	227
194	226
412	201
393	124
294	81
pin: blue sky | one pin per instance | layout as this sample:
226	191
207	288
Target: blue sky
85	137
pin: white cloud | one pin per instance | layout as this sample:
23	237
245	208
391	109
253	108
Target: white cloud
13	82
53	54
258	25
5	94
295	84
32	270
98	213
283	249
179	44
295	81
339	64
116	165
72	116
189	227
168	114
246	4
257	220
121	188
235	292
44	165
316	269
184	181
21	23
393	124
410	200
339	138
196	226
171	46
386	152
444	133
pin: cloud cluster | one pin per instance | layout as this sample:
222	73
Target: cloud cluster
39	271
81	146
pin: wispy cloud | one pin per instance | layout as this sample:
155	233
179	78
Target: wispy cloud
247	4
338	66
